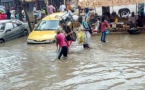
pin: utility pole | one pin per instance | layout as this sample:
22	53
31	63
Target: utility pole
79	8
27	17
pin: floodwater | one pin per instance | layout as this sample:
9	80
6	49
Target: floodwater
118	64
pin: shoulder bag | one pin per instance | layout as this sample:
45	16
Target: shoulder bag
73	36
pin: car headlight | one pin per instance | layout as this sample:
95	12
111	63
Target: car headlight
30	40
51	40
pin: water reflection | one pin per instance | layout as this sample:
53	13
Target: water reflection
117	64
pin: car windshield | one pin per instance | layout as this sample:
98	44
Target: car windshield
47	25
2	27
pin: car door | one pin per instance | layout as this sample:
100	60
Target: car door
20	28
9	31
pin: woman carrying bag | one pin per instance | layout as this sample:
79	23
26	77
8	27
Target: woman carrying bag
70	34
87	32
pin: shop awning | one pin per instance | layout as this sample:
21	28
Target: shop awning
100	3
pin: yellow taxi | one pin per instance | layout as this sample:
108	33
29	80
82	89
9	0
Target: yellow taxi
45	31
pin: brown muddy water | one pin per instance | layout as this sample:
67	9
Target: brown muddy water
118	64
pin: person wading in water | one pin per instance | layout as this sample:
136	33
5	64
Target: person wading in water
62	44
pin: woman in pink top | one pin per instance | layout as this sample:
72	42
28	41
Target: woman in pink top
104	26
61	42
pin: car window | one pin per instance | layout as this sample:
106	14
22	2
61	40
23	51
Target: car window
9	26
2	27
47	25
17	22
15	25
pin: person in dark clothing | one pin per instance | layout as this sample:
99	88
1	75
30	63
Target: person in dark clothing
8	14
141	20
86	10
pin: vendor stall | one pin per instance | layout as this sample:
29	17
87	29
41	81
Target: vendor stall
121	25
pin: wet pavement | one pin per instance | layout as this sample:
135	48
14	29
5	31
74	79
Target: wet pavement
118	64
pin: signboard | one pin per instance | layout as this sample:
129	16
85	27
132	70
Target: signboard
100	3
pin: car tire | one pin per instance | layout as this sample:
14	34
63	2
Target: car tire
25	32
124	12
28	43
2	40
54	41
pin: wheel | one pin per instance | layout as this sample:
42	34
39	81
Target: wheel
2	40
25	32
54	41
124	13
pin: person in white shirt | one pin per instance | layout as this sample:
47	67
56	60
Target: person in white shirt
13	14
39	14
35	13
24	16
62	8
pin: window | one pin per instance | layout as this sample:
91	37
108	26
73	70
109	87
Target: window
9	26
48	25
15	25
11	3
17	22
2	27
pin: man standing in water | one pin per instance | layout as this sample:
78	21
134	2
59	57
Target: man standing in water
61	42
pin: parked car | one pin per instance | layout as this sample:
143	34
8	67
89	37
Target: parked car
11	29
45	31
2	13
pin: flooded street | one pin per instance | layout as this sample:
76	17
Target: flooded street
118	64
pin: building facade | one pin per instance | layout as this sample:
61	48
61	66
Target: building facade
7	3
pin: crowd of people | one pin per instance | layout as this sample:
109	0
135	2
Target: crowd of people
88	23
12	13
39	14
64	37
